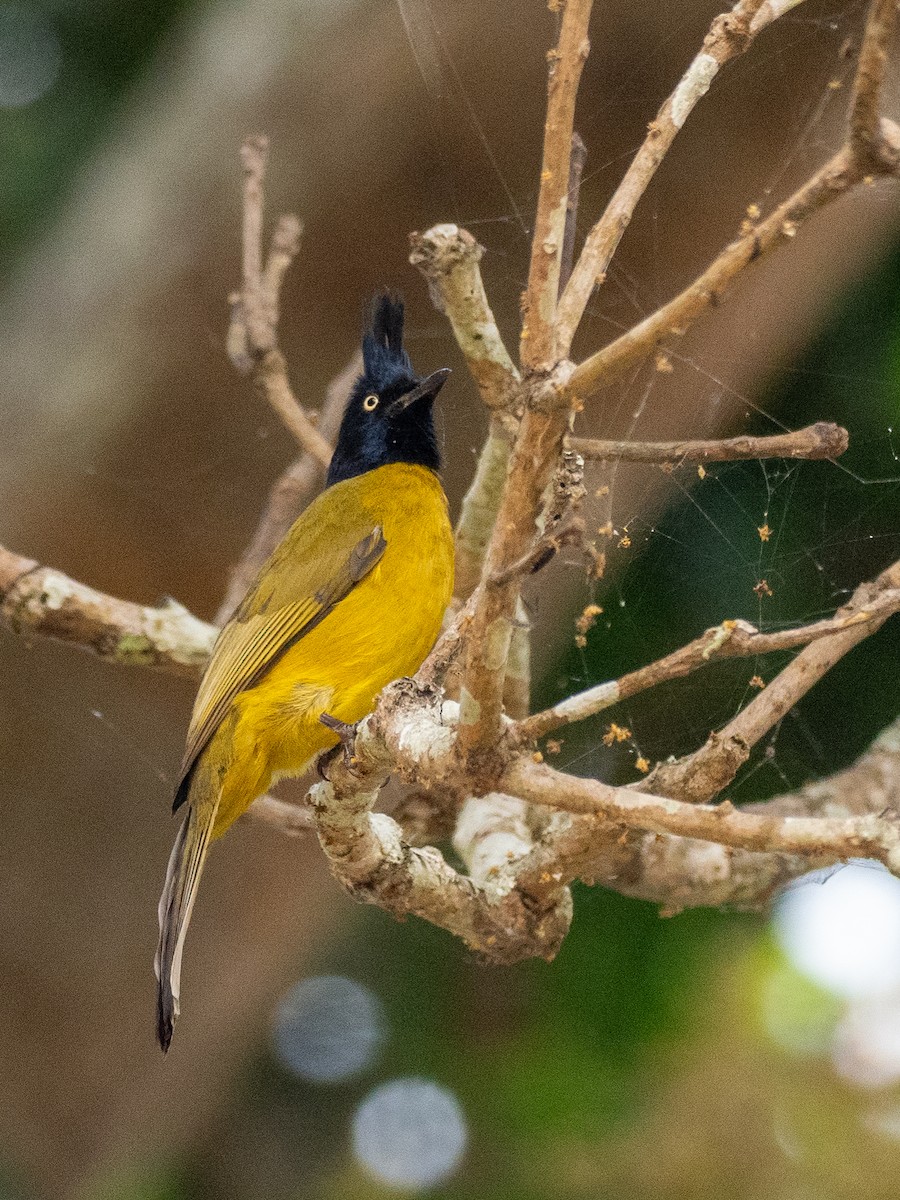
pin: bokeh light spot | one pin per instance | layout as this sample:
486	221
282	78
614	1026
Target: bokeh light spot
866	1048
884	1121
410	1134
328	1028
844	933
29	55
798	1015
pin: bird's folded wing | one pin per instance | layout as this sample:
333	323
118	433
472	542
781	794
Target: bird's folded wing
315	567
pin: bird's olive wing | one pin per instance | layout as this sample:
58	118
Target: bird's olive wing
314	568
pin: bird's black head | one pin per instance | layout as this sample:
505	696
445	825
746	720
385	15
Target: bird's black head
389	415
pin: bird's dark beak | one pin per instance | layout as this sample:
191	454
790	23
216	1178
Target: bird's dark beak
429	387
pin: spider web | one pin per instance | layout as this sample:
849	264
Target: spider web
779	543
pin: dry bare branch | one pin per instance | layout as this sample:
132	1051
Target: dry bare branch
252	339
578	159
708	770
367	853
674	319
867	135
39	600
679	872
872	150
448	257
538	349
569	531
289	818
823	440
478	513
730	35
731	639
523	830
532	463
870	836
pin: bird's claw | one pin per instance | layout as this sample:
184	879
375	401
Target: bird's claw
346	733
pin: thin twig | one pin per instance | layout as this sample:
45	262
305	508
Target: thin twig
252	339
866	134
282	252
730	35
568	532
823	440
538	341
731	639
674	319
259	329
869	152
294	820
708	770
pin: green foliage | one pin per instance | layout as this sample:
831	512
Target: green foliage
104	47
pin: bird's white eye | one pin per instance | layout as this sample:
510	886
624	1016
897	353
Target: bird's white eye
370	403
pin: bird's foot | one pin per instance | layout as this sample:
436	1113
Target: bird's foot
347	734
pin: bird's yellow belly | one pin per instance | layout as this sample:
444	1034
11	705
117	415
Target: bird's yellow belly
381	631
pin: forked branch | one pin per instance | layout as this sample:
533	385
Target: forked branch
253	334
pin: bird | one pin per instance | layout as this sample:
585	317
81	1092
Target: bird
351	599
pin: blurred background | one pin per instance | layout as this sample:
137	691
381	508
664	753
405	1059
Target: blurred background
326	1051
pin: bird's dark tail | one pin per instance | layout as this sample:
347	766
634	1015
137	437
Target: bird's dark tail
175	906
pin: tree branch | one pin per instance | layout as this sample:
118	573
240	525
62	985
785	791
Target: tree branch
534	457
869	836
708	770
252	340
823	440
674	319
730	35
680	872
872	149
448	257
578	158
368	856
866	135
659	838
538	341
39	600
731	639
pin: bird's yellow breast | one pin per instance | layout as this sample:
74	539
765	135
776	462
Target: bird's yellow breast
380	631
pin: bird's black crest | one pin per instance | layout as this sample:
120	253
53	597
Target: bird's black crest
383	340
387	322
389	417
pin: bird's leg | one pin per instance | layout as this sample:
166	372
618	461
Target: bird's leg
347	735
